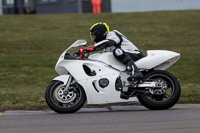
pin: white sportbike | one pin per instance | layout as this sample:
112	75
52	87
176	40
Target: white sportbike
100	79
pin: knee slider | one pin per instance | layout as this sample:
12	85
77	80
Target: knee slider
119	53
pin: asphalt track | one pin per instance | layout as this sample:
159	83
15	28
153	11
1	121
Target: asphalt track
182	118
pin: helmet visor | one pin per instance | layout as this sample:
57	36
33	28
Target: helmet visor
93	37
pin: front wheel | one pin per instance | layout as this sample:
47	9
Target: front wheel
164	97
64	102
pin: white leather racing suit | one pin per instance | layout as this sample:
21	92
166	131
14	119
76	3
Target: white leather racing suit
117	43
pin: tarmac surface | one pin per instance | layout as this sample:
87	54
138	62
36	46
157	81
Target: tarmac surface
182	118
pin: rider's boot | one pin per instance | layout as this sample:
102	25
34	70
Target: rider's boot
135	73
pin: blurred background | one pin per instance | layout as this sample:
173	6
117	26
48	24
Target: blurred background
95	6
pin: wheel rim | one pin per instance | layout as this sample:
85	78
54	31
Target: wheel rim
167	88
65	99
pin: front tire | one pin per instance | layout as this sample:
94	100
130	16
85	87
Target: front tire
64	102
160	99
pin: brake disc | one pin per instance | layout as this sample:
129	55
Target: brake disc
63	96
161	87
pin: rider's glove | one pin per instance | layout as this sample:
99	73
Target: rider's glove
86	50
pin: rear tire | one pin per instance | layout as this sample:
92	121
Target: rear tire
164	98
62	102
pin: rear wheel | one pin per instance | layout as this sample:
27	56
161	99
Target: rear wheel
163	97
64	102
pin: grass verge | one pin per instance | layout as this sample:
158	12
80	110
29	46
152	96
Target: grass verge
31	44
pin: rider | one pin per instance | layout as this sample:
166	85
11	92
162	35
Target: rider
114	41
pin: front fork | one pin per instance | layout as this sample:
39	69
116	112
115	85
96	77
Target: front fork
68	84
66	79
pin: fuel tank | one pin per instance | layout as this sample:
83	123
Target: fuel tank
108	59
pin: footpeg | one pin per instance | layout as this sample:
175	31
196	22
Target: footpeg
124	96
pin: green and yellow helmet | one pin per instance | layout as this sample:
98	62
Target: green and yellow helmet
99	31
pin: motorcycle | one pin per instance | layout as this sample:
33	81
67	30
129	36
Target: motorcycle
100	79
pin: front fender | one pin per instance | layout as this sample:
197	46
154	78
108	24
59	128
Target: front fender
62	78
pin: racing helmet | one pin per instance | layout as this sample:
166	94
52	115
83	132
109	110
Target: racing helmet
99	31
